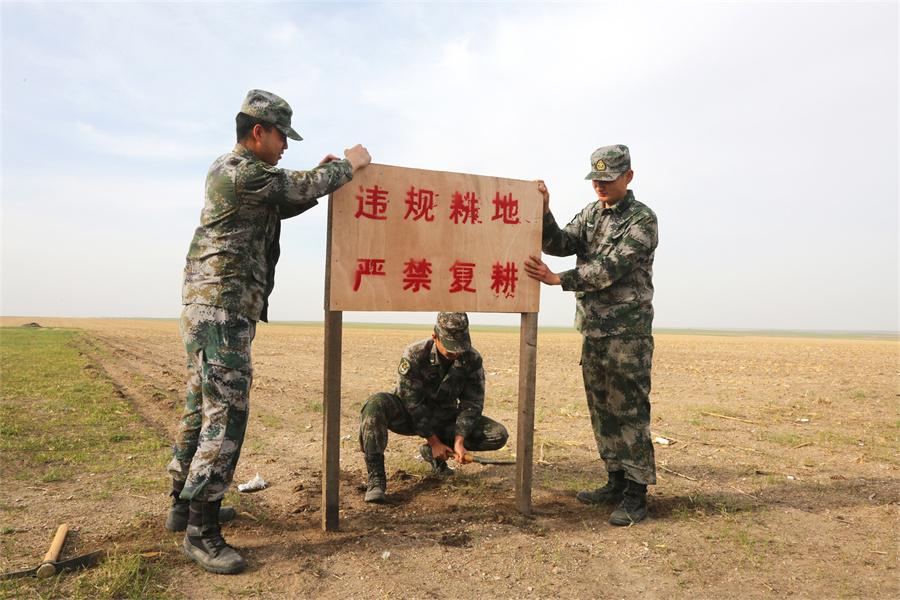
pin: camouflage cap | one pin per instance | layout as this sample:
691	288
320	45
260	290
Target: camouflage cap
272	109
608	162
452	328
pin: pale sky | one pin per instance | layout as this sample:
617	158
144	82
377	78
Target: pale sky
764	135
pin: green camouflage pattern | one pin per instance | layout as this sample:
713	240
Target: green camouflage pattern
231	260
271	109
613	274
385	412
616	374
452	328
214	420
609	162
436	392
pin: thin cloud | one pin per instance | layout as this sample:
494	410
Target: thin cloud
284	34
95	198
143	147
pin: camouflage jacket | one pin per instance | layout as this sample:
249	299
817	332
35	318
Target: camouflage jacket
231	261
613	274
434	394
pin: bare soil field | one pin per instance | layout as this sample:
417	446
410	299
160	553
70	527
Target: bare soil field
780	479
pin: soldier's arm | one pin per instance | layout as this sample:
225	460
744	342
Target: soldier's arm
471	399
286	211
292	191
356	158
562	242
637	242
411	389
556	241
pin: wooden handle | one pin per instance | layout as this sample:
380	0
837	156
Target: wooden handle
48	566
56	547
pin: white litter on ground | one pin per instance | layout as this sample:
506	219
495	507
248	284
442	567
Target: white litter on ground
254	485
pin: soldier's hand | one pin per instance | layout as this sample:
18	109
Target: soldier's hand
328	158
441	451
459	449
465	459
537	269
542	188
358	156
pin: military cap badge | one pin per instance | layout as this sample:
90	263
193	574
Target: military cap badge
600	166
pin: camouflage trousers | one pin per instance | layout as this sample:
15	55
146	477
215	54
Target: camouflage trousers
383	412
616	374
216	407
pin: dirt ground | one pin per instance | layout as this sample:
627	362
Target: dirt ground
780	479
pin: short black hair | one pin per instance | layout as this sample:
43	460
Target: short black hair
244	124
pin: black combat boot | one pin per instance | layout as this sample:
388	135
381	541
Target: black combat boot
204	543
177	519
633	508
377	483
611	493
438	467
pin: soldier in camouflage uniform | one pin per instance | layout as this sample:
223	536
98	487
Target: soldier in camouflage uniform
614	240
229	274
439	396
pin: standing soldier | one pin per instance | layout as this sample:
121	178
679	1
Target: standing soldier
439	396
614	240
229	275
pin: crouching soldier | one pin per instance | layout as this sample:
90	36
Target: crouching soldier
439	396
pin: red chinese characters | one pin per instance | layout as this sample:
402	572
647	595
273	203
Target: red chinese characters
417	275
463	273
419	204
504	278
367	266
372	203
464	207
507	208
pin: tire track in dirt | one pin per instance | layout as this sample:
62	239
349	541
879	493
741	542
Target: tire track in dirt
134	381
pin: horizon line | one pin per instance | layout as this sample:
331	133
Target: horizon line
880	333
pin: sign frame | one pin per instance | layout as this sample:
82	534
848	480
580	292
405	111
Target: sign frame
331	413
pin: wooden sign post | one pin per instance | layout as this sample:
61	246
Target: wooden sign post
413	240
